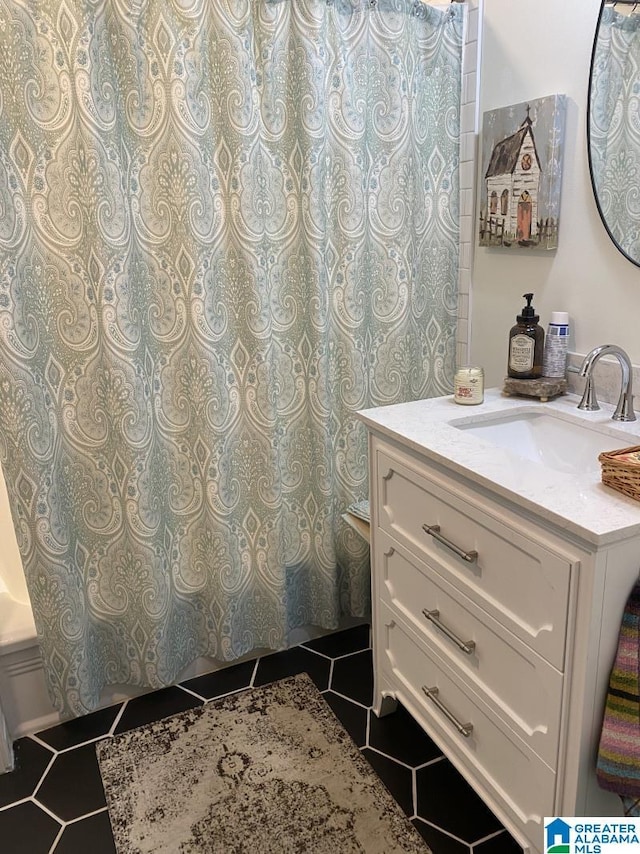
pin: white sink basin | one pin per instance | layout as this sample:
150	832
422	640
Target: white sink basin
552	439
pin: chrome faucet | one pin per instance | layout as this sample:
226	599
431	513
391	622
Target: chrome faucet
624	409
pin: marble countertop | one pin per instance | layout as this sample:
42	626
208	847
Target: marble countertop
576	502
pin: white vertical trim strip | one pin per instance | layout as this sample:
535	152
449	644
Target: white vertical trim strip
469	123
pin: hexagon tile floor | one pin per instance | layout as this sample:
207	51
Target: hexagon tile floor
54	801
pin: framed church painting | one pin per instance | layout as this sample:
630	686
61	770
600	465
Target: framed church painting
522	151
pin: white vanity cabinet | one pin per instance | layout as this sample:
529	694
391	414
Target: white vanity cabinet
495	623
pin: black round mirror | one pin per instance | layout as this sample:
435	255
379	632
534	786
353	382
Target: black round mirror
613	123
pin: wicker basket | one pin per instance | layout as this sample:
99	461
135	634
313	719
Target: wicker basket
621	470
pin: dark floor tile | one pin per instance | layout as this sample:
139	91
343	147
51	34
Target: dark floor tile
395	777
31	760
73	786
353	677
290	663
438	841
448	801
91	834
342	643
225	681
26	829
79	730
353	718
399	736
155	706
504	843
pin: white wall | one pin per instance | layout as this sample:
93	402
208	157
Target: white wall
530	50
11	573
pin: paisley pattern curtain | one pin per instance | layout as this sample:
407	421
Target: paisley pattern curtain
6	746
224	228
614	131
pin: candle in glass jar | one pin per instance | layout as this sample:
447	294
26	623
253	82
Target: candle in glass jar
468	385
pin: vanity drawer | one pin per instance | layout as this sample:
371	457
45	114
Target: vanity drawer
521	582
523	688
494	757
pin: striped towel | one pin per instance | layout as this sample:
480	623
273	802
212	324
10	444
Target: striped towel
618	765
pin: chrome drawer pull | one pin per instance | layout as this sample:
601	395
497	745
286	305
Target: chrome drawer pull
432	694
434	531
466	646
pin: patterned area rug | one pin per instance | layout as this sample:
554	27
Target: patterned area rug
264	771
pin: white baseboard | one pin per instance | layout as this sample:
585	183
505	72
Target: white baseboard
25	700
23	691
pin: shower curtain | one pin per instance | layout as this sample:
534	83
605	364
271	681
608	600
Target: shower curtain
614	133
225	227
6	747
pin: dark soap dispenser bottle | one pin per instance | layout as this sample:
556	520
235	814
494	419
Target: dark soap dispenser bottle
526	344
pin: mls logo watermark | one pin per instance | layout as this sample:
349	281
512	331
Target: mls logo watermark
600	835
